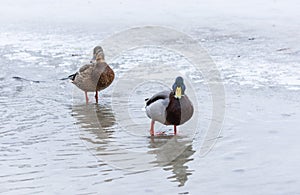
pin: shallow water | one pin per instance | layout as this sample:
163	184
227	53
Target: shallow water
52	142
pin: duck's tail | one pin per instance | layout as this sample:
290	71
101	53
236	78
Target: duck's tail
71	77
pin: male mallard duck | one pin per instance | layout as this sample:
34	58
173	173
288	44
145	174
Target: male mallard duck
95	76
171	107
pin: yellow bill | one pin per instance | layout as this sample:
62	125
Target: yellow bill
178	92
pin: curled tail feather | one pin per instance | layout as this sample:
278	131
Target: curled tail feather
72	76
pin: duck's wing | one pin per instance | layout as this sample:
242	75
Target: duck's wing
156	106
187	109
84	68
159	96
83	78
98	70
86	71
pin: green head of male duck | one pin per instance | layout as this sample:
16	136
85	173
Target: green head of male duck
98	54
178	87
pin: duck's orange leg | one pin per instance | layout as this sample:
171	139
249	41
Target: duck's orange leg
86	97
96	97
152	128
175	130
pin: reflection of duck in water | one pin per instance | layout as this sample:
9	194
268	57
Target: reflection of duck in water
170	107
99	119
95	76
98	126
172	153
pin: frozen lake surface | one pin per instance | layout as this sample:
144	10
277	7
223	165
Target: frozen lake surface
52	143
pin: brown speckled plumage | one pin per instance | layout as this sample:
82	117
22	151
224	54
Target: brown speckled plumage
106	78
95	76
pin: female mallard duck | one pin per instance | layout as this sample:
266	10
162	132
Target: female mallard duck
95	76
171	107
